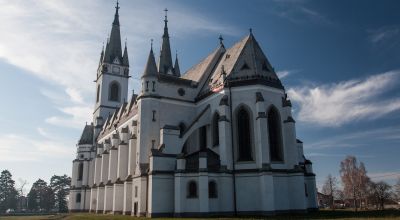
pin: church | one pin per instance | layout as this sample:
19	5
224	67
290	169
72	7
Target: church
217	140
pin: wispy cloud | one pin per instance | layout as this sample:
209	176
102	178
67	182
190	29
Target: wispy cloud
15	147
285	73
336	104
298	12
383	34
356	139
60	41
384	176
73	111
336	155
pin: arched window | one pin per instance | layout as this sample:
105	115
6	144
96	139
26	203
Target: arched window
114	92
78	197
192	189
212	189
203	138
244	135
98	94
182	128
275	135
215	131
80	171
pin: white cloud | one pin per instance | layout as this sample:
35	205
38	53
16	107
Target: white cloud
24	148
384	176
285	73
60	41
340	103
335	155
74	117
298	12
384	33
357	138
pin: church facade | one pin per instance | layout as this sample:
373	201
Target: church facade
217	140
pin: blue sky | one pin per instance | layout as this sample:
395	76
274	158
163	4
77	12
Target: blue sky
338	60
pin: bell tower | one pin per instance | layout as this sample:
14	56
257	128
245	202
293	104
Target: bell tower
112	75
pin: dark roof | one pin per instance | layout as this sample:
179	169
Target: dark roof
87	135
151	67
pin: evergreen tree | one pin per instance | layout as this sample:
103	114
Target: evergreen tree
8	193
41	196
60	186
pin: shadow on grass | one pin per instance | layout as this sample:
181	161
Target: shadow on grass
323	214
341	214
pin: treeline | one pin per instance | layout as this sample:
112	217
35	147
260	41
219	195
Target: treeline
356	189
42	197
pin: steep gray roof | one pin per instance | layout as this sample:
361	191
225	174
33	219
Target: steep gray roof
125	58
197	72
177	71
243	61
165	64
151	66
87	135
113	48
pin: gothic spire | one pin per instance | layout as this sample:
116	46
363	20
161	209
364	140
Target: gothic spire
151	66
221	41
101	55
165	63
125	59
177	71
113	48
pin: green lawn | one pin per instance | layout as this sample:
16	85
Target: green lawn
324	214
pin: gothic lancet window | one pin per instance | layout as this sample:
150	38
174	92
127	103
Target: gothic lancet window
215	129
98	94
80	171
212	189
275	135
114	92
78	198
203	138
192	189
244	135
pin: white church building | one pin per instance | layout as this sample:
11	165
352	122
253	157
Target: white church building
219	139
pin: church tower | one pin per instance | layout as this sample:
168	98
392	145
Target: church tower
112	75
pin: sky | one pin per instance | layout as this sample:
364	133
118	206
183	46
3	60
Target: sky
338	60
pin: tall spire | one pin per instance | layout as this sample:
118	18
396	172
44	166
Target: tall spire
113	48
101	55
221	41
165	63
151	66
125	59
177	71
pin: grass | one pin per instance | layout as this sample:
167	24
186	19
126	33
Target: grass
324	214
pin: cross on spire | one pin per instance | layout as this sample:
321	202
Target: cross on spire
166	15
117	7
151	43
221	39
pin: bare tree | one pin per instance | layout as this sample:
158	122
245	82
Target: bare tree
330	189
354	179
21	188
397	190
380	193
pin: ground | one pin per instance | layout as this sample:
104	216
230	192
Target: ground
342	214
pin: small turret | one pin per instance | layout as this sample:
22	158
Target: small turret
150	73
125	59
177	71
